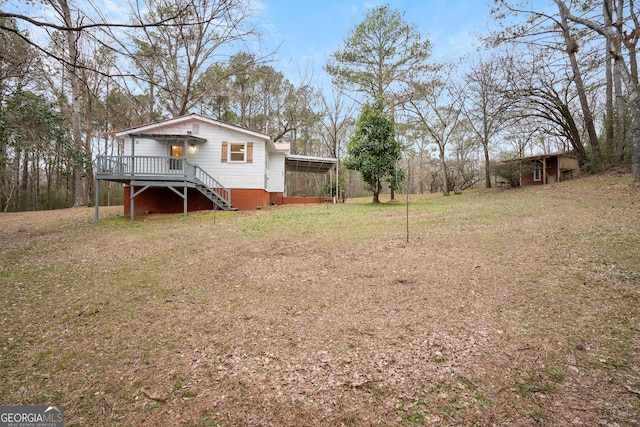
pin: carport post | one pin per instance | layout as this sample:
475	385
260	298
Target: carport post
337	181
331	184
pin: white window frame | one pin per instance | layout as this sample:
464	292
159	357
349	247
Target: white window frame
537	172
243	152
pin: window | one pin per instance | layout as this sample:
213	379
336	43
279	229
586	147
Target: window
176	157
537	172
236	152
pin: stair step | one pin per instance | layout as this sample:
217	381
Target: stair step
215	198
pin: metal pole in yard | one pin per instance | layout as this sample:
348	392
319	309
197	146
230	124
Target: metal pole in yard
406	186
407	215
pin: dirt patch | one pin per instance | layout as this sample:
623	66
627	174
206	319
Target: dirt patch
510	308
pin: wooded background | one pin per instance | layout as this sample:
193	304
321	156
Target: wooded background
555	79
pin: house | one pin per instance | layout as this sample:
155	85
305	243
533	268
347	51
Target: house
192	163
542	169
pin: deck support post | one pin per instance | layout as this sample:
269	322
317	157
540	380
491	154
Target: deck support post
97	206
131	196
185	198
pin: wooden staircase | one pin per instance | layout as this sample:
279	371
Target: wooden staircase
214	191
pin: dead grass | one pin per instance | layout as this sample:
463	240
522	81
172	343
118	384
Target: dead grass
504	308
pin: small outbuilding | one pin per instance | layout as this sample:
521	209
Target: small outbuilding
542	169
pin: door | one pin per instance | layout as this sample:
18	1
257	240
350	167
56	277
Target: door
175	163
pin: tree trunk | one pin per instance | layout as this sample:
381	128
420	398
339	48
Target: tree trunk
606	5
485	149
152	102
76	103
635	135
630	82
634	106
443	168
24	181
376	192
572	48
4	181
487	165
631	41
621	131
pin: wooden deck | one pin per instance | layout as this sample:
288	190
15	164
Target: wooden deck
142	172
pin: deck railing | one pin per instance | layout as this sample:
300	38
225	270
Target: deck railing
158	168
132	166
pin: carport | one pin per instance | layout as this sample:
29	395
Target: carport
312	164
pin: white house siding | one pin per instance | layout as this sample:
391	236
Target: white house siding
208	154
275	172
147	147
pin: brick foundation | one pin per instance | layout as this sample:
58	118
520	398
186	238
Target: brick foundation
164	200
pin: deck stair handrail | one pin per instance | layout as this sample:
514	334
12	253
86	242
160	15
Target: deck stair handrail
161	169
212	185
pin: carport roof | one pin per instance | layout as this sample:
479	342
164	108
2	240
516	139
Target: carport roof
309	164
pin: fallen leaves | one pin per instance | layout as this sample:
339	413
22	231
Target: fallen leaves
493	313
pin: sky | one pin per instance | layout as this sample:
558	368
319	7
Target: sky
310	30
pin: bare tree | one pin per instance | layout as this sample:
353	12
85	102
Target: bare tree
435	107
549	31
541	93
91	22
175	57
79	25
619	39
487	103
608	119
72	64
630	42
571	49
337	122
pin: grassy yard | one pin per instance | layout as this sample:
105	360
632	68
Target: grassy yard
518	307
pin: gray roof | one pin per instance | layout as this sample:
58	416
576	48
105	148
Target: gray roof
310	164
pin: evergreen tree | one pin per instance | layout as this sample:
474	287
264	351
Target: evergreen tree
373	150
